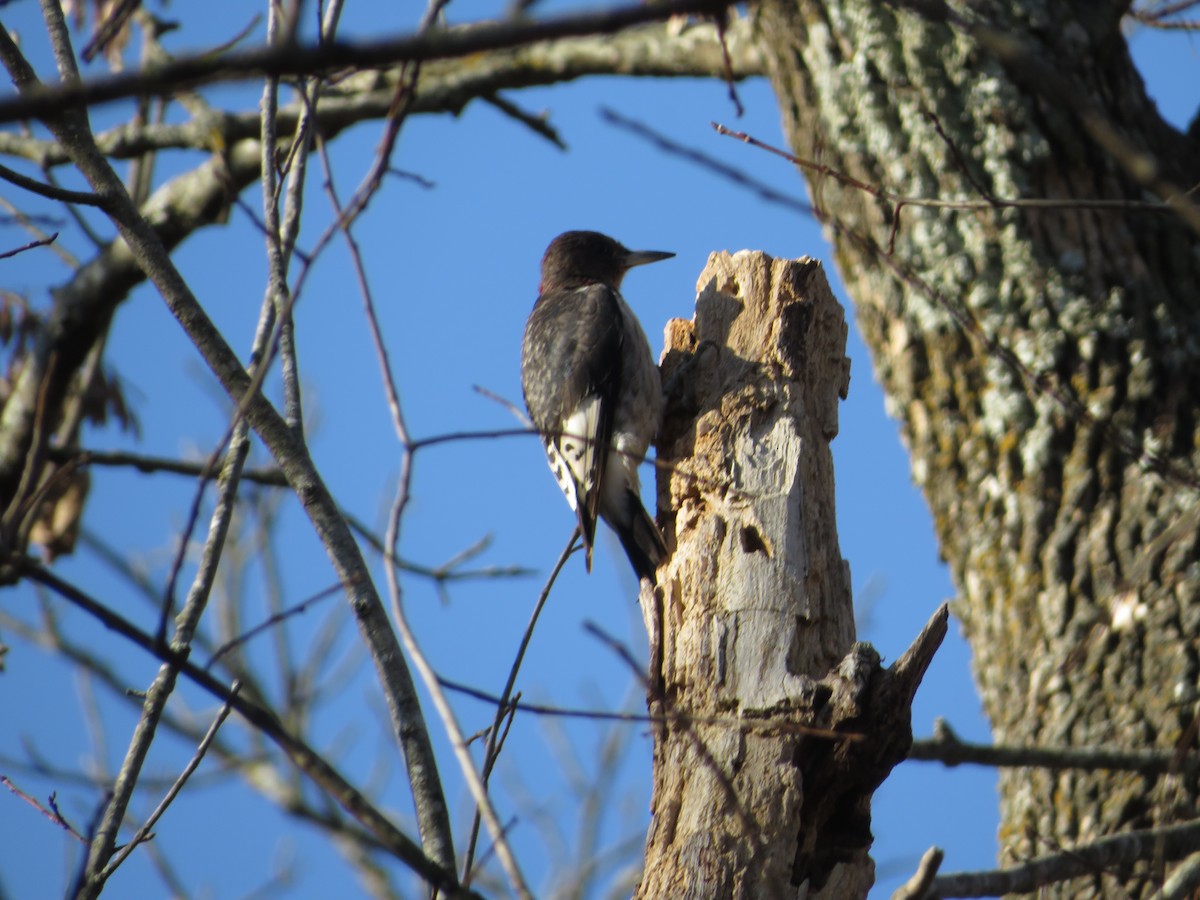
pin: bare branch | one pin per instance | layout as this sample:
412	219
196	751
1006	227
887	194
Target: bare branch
152	464
151	256
648	50
917	887
281	239
447	571
101	862
620	649
108	30
271	622
989	203
49	191
431	801
535	122
946	747
346	217
680	717
143	833
40	242
291	59
503	704
1158	15
1172	842
454	732
910	668
52	813
33	224
300	753
203	196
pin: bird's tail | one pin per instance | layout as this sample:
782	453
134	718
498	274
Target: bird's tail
642	540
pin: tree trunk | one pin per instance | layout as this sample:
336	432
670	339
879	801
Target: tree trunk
752	628
1043	363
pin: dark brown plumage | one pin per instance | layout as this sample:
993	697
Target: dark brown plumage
593	389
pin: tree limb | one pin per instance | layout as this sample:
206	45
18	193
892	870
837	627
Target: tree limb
203	196
917	886
291	59
299	752
651	51
151	256
48	191
1168	843
946	747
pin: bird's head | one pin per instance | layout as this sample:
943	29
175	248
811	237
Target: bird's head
577	258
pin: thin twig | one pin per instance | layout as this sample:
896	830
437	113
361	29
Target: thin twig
143	833
40	242
346	216
148	252
279	245
100	857
762	189
440	573
727	64
431	805
538	123
33	224
989	204
106	31
300	753
623	652
492	751
743	723
49	191
52	813
271	622
152	464
461	750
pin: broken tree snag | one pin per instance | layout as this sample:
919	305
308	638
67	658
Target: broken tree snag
777	727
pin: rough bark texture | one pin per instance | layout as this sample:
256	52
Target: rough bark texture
1074	559
751	627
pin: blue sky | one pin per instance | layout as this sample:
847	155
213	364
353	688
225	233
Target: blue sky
454	268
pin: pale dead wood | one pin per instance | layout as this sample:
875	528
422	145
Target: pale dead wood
752	617
918	885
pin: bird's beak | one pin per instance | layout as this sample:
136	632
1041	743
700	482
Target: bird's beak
641	257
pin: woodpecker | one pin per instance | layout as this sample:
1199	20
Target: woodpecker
593	390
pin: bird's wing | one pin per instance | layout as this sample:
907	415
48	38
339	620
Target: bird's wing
574	409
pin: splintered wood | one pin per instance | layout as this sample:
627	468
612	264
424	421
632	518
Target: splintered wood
775	726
